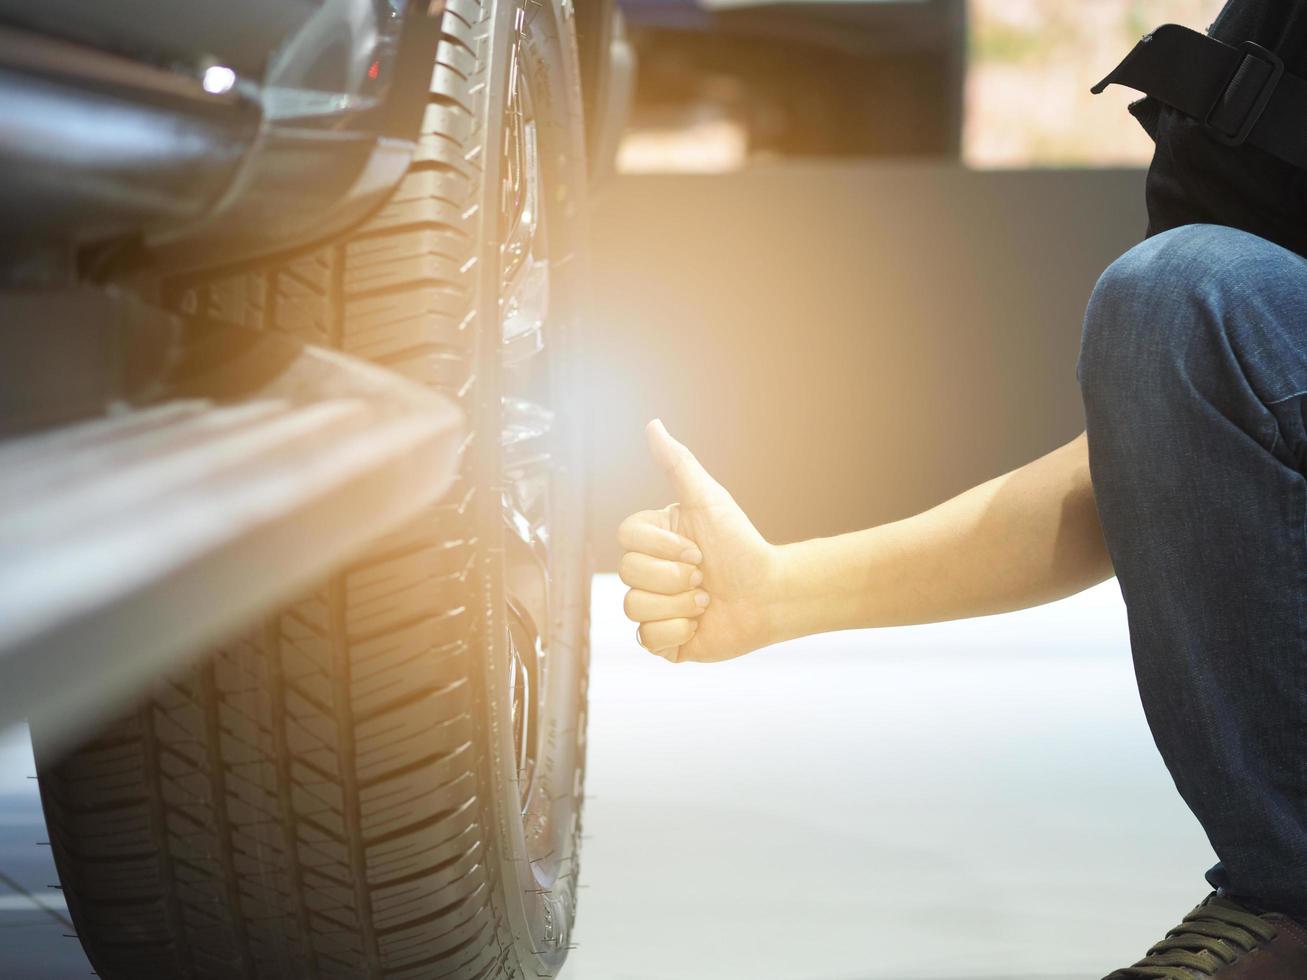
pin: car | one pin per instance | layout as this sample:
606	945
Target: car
290	326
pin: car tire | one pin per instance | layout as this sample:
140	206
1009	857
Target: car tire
385	778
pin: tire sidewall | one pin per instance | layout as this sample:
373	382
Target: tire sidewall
537	852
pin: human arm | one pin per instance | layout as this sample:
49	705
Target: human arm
1024	538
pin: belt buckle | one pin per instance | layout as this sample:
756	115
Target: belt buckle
1250	49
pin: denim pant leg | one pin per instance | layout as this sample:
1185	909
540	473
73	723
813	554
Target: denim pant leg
1193	370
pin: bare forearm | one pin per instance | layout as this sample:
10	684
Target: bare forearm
1024	538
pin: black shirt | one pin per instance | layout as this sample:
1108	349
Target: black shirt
1196	179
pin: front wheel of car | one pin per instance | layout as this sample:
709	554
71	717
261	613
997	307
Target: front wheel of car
385	778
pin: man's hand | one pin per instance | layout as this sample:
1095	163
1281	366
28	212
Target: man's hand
701	577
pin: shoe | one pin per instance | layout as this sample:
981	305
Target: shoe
1222	939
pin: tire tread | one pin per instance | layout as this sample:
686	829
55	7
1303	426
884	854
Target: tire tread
308	800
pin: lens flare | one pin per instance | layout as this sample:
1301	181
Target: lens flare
218	79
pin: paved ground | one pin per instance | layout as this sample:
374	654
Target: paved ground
36	938
962	801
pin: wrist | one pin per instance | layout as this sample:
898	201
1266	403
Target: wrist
790	602
825	584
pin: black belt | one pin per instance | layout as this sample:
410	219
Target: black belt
1241	94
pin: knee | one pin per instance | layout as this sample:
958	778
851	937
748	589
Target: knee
1149	306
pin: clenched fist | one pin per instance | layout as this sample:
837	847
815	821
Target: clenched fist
702	579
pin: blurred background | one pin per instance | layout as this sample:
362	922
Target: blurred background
860	235
846	258
997	83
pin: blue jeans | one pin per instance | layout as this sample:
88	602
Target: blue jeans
1193	370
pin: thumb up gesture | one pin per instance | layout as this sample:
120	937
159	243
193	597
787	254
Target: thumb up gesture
702	581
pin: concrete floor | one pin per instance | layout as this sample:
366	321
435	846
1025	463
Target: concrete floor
962	801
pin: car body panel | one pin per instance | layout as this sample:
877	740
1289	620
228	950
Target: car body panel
237	468
116	105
